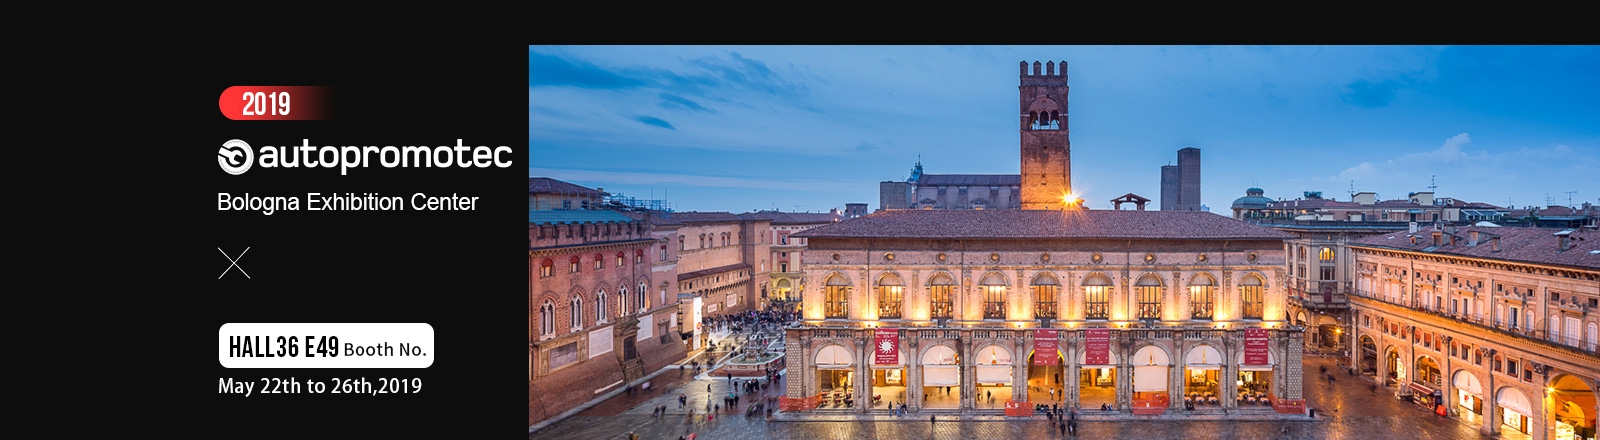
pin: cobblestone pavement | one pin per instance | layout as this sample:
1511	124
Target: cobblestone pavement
1348	408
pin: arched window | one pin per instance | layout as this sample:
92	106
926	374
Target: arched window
643	301
891	292
1555	328
1045	291
1149	292
621	258
1326	254
702	241
994	297
572	264
836	297
547	267
1097	297
623	300
600	307
681	241
941	290
547	319
1252	297
599	261
575	318
1202	297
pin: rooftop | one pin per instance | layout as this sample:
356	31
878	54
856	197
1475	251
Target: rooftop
793	218
1526	245
705	217
1006	223
971	179
575	216
546	185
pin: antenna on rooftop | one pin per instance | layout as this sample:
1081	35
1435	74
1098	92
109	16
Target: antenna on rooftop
1352	190
1432	184
1569	198
1548	200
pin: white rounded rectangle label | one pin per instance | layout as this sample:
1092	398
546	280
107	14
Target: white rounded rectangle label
325	345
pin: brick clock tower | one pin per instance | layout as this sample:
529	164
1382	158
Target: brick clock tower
1046	150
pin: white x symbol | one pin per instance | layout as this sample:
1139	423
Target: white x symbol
235	261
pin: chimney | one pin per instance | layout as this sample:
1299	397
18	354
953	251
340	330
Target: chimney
1564	240
1495	241
1453	239
1472	239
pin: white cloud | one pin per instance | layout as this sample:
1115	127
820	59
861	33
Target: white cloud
1524	174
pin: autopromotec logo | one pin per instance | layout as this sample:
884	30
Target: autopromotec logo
235	156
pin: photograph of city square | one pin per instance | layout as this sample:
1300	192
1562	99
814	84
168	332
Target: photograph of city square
923	242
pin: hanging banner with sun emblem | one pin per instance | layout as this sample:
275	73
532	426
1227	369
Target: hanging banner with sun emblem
886	344
1044	347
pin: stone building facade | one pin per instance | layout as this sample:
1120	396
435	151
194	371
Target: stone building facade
723	259
784	253
1496	326
966	294
595	322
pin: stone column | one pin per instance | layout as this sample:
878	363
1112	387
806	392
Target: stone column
1491	413
1019	367
1227	391
861	384
968	372
1070	374
1124	372
1355	341
913	379
1447	383
1290	368
1382	362
1176	382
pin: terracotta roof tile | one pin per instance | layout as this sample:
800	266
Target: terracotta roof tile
1011	223
546	185
793	218
704	217
971	179
1528	245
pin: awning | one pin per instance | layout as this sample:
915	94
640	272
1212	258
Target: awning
1468	383
1420	389
994	374
834	357
1149	378
1513	400
939	355
1203	358
941	375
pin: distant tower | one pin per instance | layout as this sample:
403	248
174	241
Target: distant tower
1189	179
1046	150
1169	187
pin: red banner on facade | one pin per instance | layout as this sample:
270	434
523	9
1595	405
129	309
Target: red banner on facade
886	346
1098	341
1255	346
1044	347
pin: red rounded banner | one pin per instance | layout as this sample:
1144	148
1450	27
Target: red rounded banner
275	103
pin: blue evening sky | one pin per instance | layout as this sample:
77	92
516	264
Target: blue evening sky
740	128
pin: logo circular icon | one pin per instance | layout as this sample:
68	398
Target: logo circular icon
235	157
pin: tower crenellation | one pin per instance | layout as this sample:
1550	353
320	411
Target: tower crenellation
1046	147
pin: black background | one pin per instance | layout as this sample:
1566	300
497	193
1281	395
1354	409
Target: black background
460	271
